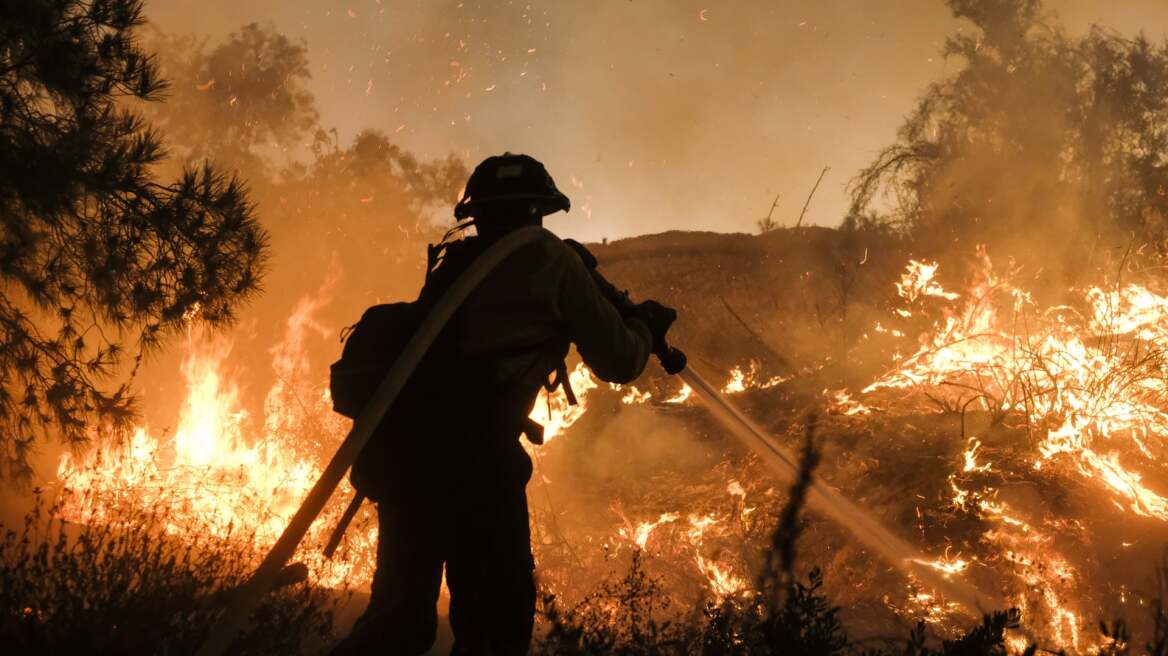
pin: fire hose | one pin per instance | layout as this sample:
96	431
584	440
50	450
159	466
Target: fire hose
248	596
830	502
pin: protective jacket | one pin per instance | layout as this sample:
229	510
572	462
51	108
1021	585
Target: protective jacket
523	316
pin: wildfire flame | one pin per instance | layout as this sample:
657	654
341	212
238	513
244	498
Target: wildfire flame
1092	377
682	396
1088	380
221	472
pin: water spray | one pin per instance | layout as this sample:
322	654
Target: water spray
825	499
822	497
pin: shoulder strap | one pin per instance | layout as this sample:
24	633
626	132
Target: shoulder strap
562	381
446	261
533	429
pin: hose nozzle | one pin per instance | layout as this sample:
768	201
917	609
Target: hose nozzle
672	359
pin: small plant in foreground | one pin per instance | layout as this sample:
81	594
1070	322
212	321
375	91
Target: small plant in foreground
127	585
784	615
620	617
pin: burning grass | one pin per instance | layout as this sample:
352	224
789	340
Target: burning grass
778	615
222	471
1076	388
128	584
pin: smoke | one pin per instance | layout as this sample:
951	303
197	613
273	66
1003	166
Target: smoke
1043	137
668	121
638	442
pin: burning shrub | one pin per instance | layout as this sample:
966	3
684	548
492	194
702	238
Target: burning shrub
624	616
1081	376
126	585
782	615
631	616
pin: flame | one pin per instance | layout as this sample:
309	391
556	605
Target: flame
719	574
843	403
919	281
1090	376
722	581
970	457
640	534
682	396
1085	379
948	565
554	411
744	379
737	382
222	472
634	396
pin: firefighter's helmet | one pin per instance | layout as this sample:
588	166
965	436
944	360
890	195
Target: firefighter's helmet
510	178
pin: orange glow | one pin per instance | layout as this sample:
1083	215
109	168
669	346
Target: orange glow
1084	379
553	410
222	472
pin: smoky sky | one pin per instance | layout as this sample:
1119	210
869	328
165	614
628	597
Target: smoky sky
652	115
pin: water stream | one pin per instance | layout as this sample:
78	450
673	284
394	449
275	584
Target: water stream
825	499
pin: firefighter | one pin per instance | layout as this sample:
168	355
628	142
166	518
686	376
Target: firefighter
455	487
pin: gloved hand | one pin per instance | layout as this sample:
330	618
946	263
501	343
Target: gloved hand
659	318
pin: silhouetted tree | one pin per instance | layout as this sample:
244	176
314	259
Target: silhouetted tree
236	103
372	205
95	253
1041	137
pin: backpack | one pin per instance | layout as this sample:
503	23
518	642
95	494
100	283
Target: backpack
375	342
371	347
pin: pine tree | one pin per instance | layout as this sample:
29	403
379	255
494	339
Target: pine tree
99	261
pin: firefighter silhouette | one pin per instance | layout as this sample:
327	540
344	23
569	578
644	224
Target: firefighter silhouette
447	471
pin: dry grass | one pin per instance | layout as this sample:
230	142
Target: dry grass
128	586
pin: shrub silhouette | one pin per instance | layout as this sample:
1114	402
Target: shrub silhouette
127	585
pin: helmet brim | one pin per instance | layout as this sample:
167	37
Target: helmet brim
547	204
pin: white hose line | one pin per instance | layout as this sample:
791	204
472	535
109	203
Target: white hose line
248	596
830	502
